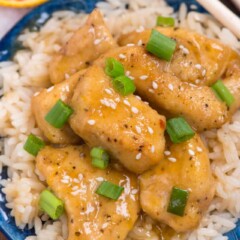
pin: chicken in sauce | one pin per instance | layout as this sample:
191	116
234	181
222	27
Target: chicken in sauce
69	173
88	43
124	132
126	127
45	100
186	165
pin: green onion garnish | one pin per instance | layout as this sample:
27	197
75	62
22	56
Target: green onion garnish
165	21
109	190
59	114
113	68
124	85
33	145
160	45
51	205
178	201
100	158
223	93
179	130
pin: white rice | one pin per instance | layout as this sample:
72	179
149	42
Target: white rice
28	73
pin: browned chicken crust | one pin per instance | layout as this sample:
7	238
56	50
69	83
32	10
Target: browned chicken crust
167	93
126	127
87	44
197	59
186	165
69	173
43	102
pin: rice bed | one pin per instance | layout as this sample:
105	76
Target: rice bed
28	74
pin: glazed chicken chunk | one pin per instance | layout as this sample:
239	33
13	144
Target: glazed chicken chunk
166	92
87	44
43	102
69	173
197	59
186	166
126	127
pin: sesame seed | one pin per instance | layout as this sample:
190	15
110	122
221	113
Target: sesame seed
138	129
100	179
134	191
76	180
199	149
167	153
139	98
65	181
104	225
191	152
67	76
170	86
134	110
154	85
204	72
66	88
127	73
91	30
91	122
138	156
36	93
126	102
172	159
150	130
140	42
181	88
192	85
108	103
50	89
153	149
108	91
130	45
216	46
185	50
143	77
97	41
122	56
198	66
151	90
147	103
197	81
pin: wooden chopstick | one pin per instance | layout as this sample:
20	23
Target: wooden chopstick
237	3
223	15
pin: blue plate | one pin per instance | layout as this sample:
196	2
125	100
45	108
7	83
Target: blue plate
9	45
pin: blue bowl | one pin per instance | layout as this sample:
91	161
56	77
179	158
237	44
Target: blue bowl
9	45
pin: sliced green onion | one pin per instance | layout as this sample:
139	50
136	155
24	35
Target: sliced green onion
160	45
124	85
113	68
100	158
165	21
178	201
59	114
223	92
179	130
33	145
51	205
109	190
